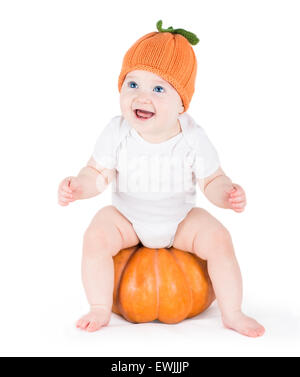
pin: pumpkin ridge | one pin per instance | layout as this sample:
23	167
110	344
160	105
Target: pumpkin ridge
121	277
157	280
183	273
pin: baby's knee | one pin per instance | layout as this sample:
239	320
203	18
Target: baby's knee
220	236
217	240
100	240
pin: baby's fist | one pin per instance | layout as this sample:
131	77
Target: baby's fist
69	190
237	198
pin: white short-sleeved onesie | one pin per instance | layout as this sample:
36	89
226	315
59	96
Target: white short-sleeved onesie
155	185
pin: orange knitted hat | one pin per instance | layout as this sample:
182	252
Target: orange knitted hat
167	53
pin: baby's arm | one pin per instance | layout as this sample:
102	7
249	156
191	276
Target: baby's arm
90	181
219	190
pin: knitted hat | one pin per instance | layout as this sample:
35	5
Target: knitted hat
167	53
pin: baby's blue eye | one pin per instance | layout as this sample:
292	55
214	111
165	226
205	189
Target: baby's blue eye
159	87
131	84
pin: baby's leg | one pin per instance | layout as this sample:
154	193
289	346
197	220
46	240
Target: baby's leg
204	235
108	233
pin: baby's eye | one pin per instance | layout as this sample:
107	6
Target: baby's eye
131	84
160	89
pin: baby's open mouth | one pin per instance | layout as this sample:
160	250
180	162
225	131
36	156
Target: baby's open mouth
143	114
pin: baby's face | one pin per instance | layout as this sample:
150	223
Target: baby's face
146	91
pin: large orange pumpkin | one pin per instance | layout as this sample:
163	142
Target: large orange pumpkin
165	284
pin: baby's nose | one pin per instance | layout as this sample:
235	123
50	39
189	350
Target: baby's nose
143	101
143	97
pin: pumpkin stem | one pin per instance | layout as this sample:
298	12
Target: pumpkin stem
191	37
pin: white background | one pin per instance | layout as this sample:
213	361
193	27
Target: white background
59	66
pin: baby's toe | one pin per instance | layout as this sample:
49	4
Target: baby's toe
251	333
255	332
93	326
260	331
83	323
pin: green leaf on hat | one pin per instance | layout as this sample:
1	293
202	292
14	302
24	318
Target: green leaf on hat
191	37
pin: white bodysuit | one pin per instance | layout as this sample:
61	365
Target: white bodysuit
155	185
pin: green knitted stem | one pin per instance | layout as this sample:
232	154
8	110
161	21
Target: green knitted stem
191	37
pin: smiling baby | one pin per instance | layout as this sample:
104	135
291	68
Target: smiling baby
155	155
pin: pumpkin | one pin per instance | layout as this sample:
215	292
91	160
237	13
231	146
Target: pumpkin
168	285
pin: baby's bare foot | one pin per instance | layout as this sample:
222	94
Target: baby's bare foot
97	317
243	324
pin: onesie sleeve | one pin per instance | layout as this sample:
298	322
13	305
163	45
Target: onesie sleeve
206	160
105	149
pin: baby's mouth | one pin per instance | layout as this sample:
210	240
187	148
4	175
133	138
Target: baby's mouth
143	114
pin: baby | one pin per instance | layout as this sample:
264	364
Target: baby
155	155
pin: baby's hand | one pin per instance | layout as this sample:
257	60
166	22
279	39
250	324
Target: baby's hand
236	198
69	190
